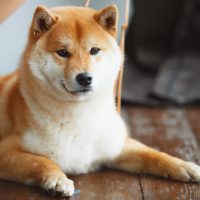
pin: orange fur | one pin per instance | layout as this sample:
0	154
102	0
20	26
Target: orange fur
16	116
15	163
139	158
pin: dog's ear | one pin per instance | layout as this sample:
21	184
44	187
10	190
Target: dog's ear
43	20
108	19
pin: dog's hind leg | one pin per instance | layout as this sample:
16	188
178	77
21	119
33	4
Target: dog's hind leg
27	168
138	158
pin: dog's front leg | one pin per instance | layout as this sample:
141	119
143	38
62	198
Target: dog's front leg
27	168
138	158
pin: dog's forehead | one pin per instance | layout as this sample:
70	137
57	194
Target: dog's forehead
74	16
76	23
70	10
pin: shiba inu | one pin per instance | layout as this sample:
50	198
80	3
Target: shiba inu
58	113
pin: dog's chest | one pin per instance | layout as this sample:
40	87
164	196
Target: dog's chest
73	148
79	146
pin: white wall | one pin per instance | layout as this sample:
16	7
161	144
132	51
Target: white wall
13	32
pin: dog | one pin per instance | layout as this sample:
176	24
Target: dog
57	110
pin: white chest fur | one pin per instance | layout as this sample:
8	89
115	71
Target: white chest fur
80	143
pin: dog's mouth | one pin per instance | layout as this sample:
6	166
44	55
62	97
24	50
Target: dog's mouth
76	92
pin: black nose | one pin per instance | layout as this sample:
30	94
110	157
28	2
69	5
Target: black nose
84	79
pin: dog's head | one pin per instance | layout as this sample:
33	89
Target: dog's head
73	52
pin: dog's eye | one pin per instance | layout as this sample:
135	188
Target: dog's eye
94	51
63	53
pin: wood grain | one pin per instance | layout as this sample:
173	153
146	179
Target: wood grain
168	130
108	185
102	185
194	118
16	191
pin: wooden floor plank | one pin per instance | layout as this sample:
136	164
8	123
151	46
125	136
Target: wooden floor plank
194	118
102	185
16	191
108	185
168	130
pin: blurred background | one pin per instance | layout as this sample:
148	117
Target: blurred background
162	47
163	43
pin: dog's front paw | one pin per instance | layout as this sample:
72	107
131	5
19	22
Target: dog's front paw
193	171
58	185
187	172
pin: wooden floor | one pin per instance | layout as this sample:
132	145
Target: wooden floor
175	131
